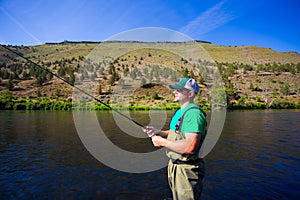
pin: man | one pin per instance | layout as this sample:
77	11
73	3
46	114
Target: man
183	141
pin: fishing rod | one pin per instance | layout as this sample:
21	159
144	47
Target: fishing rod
71	84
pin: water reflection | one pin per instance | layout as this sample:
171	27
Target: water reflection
256	157
42	157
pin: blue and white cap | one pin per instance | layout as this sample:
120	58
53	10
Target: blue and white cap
187	83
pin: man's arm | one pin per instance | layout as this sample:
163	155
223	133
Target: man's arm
164	134
187	146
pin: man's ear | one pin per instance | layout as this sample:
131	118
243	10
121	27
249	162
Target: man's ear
191	94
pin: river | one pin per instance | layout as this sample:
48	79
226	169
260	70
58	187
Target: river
42	157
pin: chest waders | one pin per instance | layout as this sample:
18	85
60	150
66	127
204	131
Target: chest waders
178	135
185	171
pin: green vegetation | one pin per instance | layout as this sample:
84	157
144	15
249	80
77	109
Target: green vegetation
10	102
254	78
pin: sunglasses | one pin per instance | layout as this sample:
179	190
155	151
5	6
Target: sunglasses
180	90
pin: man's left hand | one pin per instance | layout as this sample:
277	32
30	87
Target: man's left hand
157	140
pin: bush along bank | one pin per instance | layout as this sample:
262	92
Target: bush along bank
259	105
17	103
9	102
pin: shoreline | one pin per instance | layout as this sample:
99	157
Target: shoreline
46	103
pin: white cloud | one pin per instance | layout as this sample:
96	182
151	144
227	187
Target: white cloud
207	21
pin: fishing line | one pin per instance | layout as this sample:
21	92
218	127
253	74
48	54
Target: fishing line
71	84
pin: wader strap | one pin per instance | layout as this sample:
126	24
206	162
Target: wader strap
179	122
188	162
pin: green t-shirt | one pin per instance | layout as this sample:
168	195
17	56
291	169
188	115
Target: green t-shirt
194	120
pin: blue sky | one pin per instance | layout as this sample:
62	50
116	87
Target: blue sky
264	23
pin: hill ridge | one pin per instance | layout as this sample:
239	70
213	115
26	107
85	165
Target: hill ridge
251	74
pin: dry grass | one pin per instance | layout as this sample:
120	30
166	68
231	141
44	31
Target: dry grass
174	55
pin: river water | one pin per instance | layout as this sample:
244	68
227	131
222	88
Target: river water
42	157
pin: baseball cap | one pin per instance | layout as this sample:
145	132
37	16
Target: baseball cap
187	83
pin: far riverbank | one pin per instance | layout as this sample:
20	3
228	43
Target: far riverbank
8	102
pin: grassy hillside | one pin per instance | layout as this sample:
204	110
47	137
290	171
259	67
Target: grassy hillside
137	74
249	54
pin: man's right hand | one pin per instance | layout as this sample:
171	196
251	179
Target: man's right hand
151	131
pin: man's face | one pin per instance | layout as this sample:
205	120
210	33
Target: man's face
181	95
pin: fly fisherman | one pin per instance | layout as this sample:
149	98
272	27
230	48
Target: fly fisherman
183	141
